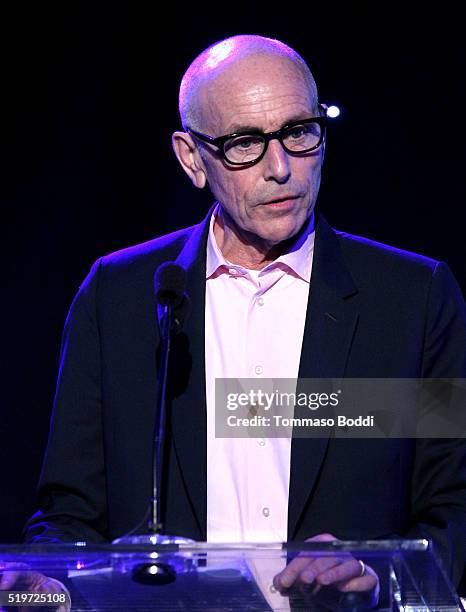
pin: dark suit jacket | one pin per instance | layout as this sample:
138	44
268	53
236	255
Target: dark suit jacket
373	311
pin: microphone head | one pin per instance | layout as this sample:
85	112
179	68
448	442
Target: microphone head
169	284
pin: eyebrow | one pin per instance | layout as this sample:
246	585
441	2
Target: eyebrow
239	128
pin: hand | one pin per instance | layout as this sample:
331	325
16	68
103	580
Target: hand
19	577
342	571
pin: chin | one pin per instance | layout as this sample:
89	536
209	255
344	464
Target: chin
280	234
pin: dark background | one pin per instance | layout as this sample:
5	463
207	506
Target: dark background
89	97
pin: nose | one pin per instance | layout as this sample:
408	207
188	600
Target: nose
276	163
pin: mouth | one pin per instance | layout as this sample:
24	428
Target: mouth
285	202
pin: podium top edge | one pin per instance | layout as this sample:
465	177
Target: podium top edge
199	547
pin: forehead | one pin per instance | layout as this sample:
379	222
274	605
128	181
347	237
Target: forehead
263	92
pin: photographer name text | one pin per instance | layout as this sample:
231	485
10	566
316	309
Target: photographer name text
281	421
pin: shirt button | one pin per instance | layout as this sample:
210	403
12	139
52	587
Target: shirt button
258	369
260	301
266	511
261	442
272	589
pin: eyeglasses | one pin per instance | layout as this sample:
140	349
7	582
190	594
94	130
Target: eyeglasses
249	147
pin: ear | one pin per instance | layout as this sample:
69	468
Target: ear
322	151
189	158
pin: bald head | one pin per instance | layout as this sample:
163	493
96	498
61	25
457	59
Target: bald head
230	61
251	84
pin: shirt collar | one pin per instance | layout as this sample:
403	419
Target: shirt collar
298	258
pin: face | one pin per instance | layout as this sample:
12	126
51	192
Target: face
271	200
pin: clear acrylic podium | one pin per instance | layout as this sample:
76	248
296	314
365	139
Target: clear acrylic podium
233	577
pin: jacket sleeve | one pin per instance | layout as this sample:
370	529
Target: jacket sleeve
72	495
439	475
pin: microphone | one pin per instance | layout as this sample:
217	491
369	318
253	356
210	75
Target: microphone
169	284
169	288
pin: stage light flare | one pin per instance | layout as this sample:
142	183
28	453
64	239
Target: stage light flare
333	112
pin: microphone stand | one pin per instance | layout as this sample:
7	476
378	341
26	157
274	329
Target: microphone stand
158	573
155	525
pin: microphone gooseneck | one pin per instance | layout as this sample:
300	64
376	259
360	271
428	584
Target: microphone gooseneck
172	307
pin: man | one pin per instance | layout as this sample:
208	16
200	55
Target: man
275	292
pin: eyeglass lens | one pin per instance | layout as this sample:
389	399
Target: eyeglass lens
249	147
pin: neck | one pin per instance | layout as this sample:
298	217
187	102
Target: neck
244	248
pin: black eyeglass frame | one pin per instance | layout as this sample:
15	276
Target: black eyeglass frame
220	141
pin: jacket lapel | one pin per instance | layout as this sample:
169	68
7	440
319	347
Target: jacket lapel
188	411
331	321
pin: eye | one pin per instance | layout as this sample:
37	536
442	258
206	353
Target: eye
243	143
296	132
303	137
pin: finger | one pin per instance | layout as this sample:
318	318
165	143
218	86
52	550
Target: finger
321	566
287	577
22	580
368	582
322	537
8	579
10	574
52	585
37	582
320	563
344	571
305	569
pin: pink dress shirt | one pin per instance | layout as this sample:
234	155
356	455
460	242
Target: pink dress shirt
254	328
